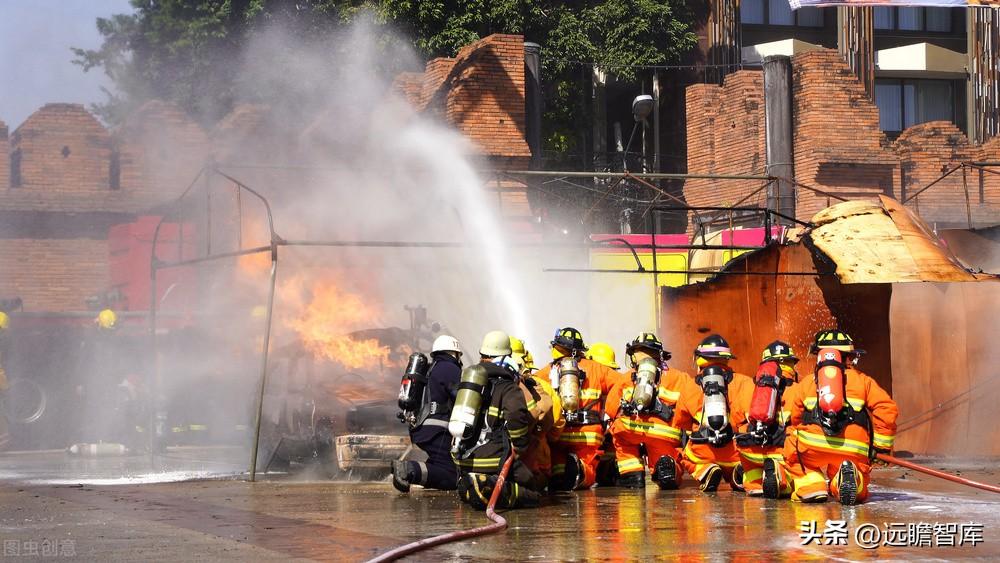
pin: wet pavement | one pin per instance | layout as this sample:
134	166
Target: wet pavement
283	519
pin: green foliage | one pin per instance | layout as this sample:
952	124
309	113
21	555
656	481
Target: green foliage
189	52
184	50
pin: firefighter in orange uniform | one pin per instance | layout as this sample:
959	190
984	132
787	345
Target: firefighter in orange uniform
546	410
642	410
842	418
582	386
607	467
707	410
762	435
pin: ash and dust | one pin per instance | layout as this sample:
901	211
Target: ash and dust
339	158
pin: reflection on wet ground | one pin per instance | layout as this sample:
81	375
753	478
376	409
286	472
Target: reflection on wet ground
282	519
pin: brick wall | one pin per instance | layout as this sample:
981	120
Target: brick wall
725	131
480	92
231	136
486	97
4	157
838	147
926	152
161	150
62	149
55	274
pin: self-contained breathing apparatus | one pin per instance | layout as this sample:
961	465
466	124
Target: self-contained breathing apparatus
465	425
714	427
646	383
570	379
413	389
765	426
833	412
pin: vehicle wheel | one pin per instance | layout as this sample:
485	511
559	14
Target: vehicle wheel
26	401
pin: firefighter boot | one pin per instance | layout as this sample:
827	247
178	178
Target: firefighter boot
571	478
475	489
665	473
401	476
515	495
848	483
737	479
772	479
632	480
710	481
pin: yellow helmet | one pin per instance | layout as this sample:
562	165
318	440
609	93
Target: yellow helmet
522	355
4	321
529	361
107	319
603	353
258	312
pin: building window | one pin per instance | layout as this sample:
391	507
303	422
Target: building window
778	12
15	168
934	20
903	103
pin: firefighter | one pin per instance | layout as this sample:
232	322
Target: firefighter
107	320
499	426
762	435
429	431
607	467
642	408
4	385
841	419
603	354
583	386
708	411
546	411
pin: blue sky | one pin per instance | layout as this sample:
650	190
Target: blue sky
35	56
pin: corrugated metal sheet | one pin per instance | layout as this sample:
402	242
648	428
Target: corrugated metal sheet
880	241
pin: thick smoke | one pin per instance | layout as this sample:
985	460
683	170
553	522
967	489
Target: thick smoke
339	158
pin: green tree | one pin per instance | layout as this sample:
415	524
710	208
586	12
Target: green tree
184	50
188	52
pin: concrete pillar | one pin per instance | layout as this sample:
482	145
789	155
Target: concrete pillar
778	133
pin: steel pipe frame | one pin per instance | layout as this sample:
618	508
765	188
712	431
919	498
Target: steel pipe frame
156	264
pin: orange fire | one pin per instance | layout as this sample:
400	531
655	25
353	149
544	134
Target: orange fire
322	313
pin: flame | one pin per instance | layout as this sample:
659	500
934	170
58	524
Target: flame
323	313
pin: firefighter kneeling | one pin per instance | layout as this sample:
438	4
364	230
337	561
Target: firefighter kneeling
489	422
642	408
842	418
708	410
425	397
582	385
762	436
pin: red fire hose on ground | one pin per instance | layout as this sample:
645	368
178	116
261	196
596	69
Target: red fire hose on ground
939	474
499	523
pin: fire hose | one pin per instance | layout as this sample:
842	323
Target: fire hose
947	476
499	523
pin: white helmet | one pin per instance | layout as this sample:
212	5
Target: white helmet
446	343
496	343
